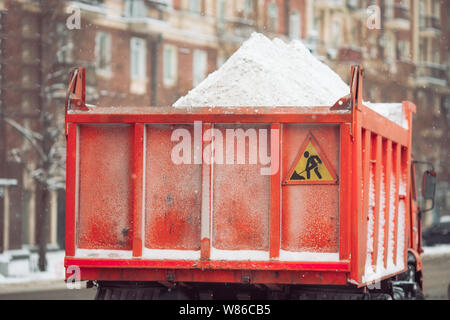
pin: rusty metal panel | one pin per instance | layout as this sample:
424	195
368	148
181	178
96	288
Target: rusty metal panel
104	218
310	213
241	199
172	193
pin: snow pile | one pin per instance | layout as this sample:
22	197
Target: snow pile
369	271
438	250
391	223
392	111
267	73
25	271
381	223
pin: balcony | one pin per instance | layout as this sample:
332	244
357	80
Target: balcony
429	25
351	54
432	73
401	12
235	27
331	4
399	19
405	69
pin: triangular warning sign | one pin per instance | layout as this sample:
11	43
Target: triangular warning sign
311	166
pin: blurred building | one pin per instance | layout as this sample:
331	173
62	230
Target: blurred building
148	53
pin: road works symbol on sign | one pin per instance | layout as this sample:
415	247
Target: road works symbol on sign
311	166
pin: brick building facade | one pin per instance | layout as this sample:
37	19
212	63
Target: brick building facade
148	53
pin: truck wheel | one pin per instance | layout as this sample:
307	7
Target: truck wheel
137	291
173	294
409	277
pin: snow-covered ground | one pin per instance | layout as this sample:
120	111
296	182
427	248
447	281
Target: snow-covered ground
25	270
442	249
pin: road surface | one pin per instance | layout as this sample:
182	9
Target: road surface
437	280
436	277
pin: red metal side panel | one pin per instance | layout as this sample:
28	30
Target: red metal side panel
241	200
275	195
172	193
388	212
345	196
105	217
71	188
310	217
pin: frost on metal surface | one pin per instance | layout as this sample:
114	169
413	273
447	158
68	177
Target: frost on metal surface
370	226
162	254
396	237
310	214
103	253
308	256
241	197
401	223
104	219
393	195
381	223
172	193
239	255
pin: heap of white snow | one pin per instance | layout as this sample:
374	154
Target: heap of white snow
392	111
267	73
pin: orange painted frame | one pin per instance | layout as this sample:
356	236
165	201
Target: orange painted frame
352	225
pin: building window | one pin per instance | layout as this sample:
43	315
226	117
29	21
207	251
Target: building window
437	8
221	12
138	52
64	53
272	13
436	54
294	25
389	13
389	47
30	26
135	8
402	50
422	14
248	8
170	65
199	66
352	3
195	6
336	34
103	52
423	50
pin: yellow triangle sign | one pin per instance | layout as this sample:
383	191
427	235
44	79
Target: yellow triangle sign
311	166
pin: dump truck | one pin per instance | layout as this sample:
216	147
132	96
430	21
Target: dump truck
244	202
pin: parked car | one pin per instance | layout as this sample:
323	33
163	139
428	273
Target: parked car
438	233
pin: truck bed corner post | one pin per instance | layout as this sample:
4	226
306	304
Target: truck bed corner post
357	263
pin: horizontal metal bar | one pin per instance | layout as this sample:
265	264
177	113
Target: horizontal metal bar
340	266
215	276
223	115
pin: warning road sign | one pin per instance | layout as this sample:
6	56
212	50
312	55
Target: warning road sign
311	166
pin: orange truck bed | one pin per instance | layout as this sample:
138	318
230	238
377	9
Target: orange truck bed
331	207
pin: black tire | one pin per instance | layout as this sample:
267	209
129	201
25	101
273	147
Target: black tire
134	291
